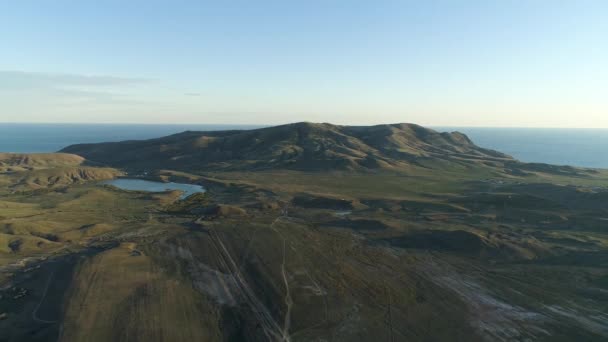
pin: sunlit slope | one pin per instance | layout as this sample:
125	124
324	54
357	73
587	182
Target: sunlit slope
19	162
127	297
23	172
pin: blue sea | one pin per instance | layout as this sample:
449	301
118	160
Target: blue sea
577	147
29	138
559	146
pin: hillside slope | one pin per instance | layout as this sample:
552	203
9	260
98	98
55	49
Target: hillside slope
21	172
20	162
300	146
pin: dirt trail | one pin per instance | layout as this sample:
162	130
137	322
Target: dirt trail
269	325
253	236
35	312
288	299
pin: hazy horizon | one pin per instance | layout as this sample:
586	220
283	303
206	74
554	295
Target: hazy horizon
536	64
259	125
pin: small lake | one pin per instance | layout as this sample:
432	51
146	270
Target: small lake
150	186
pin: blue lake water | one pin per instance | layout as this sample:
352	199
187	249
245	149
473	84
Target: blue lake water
150	186
578	147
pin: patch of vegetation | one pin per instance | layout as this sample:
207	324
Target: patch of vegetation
191	204
320	202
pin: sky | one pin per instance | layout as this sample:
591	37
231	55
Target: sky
497	63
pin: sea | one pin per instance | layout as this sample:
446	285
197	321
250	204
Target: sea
575	147
559	146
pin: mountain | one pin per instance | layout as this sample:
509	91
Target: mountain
300	146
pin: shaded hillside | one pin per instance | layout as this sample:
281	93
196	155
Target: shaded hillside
300	146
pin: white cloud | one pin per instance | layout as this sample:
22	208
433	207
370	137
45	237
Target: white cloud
29	80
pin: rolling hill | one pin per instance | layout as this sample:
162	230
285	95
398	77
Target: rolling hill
19	162
40	170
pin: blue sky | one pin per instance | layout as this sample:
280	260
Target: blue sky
450	63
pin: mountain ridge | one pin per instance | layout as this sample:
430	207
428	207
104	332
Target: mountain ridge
301	145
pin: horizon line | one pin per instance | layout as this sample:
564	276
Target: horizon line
279	124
